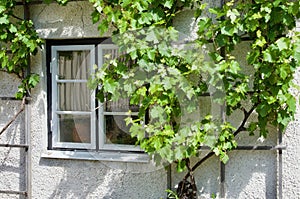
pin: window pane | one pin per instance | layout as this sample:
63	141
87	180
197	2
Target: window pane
75	128
74	64
74	97
116	130
109	54
122	105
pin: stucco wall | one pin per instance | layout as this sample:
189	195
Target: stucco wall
53	178
12	160
248	174
71	21
291	156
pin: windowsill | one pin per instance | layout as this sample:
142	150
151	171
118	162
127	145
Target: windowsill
98	156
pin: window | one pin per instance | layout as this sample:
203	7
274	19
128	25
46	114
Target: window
77	121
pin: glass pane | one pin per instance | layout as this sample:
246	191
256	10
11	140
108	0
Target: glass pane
116	130
73	64
75	128
109	54
74	97
122	105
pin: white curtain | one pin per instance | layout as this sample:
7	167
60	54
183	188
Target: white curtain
74	96
122	105
116	130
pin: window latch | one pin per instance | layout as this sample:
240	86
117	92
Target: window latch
51	125
51	63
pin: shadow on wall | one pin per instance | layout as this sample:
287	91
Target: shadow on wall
54	21
12	172
109	180
12	160
206	177
248	174
251	174
76	179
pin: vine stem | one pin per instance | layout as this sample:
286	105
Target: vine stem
14	117
192	178
211	153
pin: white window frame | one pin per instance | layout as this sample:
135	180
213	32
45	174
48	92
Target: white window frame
102	147
55	112
102	113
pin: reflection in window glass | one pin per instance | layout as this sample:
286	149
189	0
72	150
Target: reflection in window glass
73	65
122	105
74	97
116	130
75	128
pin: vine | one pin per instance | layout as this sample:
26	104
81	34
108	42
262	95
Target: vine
18	42
166	82
167	79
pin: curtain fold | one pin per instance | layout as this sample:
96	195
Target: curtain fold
74	95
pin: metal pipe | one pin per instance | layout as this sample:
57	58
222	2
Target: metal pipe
279	166
28	116
169	177
15	145
223	117
13	192
28	143
250	148
41	2
222	165
9	98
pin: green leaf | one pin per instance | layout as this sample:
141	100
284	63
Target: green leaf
253	56
269	56
4	20
103	26
233	15
229	30
157	112
224	158
283	72
198	13
263	109
137	131
110	85
179	151
166	153
181	166
2	9
291	102
157	143
33	80
261	41
296	50
168	4
126	3
216	11
203	24
95	16
151	37
282	43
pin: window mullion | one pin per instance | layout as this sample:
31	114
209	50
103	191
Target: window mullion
71	81
62	115
119	113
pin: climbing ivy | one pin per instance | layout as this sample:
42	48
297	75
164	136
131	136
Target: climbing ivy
168	78
167	81
273	56
18	42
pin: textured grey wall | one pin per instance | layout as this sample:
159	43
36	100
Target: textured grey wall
249	174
